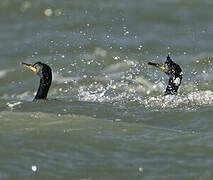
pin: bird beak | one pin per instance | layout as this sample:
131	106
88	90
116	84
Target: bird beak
159	66
162	67
29	66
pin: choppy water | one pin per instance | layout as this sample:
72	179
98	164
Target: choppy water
104	118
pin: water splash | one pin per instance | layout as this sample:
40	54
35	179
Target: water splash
190	100
12	105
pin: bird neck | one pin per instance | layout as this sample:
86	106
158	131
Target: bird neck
43	88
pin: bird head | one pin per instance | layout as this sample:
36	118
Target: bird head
168	60
41	69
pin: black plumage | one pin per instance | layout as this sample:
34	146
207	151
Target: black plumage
45	74
174	71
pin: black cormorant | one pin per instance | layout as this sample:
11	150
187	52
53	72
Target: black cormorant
45	74
174	72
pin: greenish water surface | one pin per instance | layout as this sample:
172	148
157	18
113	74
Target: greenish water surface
104	117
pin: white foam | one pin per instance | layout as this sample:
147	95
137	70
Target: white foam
12	105
188	100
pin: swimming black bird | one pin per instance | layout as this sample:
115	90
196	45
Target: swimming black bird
174	72
45	74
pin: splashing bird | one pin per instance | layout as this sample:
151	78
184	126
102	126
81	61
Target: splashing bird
174	72
45	74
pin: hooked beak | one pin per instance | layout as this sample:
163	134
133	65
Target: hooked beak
29	66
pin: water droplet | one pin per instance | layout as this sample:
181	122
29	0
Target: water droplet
140	169
116	58
126	33
48	12
34	168
58	12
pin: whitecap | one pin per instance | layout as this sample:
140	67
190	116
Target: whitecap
12	105
191	99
